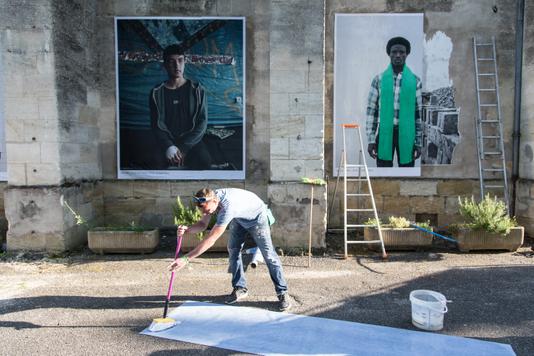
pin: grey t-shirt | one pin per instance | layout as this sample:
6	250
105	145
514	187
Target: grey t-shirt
239	204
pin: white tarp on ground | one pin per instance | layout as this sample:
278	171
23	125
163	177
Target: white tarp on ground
265	332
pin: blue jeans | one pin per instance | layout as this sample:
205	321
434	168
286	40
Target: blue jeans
261	233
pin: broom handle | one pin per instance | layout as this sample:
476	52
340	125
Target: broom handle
169	291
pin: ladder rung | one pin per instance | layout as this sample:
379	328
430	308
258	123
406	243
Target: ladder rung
492	169
486	89
358	195
485	59
354	165
357	225
364	242
356	180
492	153
486	74
484	44
489	121
494	186
360	209
492	105
491	136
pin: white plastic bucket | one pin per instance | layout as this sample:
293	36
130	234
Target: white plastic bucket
428	309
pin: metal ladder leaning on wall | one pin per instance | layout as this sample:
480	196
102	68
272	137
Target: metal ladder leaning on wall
489	129
363	176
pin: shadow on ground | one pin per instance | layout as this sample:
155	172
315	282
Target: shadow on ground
484	301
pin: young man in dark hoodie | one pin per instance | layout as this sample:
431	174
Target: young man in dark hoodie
179	116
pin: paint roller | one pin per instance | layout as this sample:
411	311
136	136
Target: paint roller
160	324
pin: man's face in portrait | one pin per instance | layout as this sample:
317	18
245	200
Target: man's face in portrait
398	55
174	64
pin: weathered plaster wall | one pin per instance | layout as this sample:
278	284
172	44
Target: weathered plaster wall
59	62
525	188
288	69
51	137
296	119
437	191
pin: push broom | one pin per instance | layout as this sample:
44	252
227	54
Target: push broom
160	324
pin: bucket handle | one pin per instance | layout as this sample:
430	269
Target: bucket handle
444	310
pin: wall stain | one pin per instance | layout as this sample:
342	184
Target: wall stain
29	210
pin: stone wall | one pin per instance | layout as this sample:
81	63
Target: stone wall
437	190
51	140
525	186
59	70
296	119
415	199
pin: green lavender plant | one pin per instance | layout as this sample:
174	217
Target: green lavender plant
489	215
80	220
186	215
397	222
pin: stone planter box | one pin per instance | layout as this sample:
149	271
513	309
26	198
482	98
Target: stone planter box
189	242
482	240
399	238
104	241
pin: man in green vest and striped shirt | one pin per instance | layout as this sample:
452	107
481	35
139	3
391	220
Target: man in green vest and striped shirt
394	110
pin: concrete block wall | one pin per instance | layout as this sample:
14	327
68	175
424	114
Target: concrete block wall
59	70
36	224
439	187
50	119
76	53
525	186
297	119
30	105
414	199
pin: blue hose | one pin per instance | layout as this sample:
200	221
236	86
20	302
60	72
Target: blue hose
434	233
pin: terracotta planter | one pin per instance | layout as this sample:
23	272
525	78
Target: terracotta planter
482	240
399	238
189	242
104	241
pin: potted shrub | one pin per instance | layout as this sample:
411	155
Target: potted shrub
487	226
130	238
398	234
188	215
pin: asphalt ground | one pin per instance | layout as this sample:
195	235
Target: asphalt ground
86	304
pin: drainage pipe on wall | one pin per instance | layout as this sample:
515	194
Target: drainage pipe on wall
516	135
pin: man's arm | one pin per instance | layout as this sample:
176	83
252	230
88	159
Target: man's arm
203	246
207	242
162	137
371	124
418	119
200	123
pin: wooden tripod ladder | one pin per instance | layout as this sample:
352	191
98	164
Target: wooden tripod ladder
361	199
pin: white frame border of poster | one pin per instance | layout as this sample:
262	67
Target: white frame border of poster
3	158
179	174
373	170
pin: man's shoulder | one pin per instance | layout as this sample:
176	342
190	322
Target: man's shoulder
195	85
157	86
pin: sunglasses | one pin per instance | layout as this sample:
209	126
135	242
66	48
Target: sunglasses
201	200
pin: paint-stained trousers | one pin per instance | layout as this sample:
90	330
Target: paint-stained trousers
261	233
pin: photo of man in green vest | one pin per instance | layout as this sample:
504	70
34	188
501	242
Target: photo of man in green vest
394	109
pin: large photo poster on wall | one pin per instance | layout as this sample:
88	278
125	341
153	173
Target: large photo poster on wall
180	97
378	67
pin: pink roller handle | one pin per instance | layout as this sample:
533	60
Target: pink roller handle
178	246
